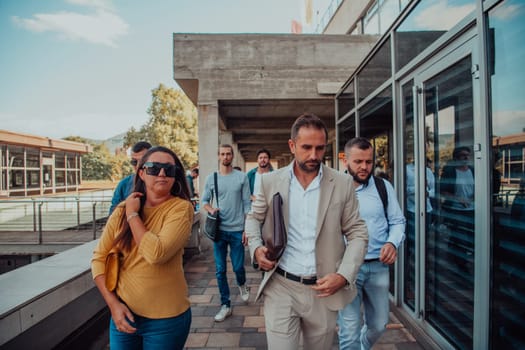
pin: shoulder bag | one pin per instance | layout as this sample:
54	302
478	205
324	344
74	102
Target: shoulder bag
211	226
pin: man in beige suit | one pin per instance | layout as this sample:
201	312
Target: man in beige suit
316	274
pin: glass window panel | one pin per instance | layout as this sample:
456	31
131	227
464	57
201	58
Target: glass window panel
389	10
71	161
449	243
409	267
371	20
16	157
376	71
376	117
346	100
346	131
60	161
16	177
33	178
72	177
32	158
60	178
425	24
507	29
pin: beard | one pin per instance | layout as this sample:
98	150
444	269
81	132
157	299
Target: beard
357	178
264	165
226	162
311	166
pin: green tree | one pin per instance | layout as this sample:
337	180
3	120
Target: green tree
172	123
133	136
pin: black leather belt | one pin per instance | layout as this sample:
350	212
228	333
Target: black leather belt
371	260
295	278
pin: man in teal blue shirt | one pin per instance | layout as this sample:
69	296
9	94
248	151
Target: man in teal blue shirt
125	186
254	175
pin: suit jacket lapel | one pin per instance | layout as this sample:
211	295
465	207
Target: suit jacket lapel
326	190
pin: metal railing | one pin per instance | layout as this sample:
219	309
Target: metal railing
54	214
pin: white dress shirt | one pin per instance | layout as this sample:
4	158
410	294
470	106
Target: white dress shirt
299	256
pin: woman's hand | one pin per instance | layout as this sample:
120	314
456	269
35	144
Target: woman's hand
133	203
121	314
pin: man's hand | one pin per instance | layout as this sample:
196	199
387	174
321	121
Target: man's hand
388	254
329	284
244	239
260	257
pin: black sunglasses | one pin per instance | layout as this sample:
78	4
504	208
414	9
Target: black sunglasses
153	168
134	162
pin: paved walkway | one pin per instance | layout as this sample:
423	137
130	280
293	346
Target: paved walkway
245	328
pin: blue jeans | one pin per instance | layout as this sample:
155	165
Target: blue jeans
220	250
152	334
372	291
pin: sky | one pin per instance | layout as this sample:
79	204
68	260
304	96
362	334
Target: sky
87	67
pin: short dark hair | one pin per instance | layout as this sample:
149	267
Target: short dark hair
263	150
139	146
460	149
226	145
308	120
359	142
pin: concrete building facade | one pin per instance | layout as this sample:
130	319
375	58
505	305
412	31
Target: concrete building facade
428	82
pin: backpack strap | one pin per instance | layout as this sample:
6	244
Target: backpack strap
381	189
216	189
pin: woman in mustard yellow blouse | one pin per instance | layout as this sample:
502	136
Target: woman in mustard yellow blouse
150	307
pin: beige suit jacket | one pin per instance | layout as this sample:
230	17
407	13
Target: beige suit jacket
338	216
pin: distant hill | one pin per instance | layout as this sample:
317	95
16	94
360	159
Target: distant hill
114	142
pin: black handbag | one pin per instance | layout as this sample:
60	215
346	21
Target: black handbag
211	225
277	242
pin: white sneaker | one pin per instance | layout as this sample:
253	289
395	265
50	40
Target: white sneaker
245	292
224	312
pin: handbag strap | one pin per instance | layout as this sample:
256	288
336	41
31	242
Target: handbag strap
216	189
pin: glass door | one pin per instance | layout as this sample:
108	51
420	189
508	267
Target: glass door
447	100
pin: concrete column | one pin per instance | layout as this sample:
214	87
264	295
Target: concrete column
208	115
208	141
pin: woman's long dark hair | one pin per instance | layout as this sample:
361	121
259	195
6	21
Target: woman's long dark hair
179	189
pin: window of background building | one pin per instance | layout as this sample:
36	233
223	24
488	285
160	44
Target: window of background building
346	100
3	168
60	178
425	24
507	28
32	158
375	72
376	123
60	160
345	131
409	251
371	20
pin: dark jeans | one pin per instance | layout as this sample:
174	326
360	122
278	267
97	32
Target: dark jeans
220	250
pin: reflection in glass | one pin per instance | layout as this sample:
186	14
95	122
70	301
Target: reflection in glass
507	28
409	268
346	100
376	71
346	131
425	24
376	116
371	20
449	263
